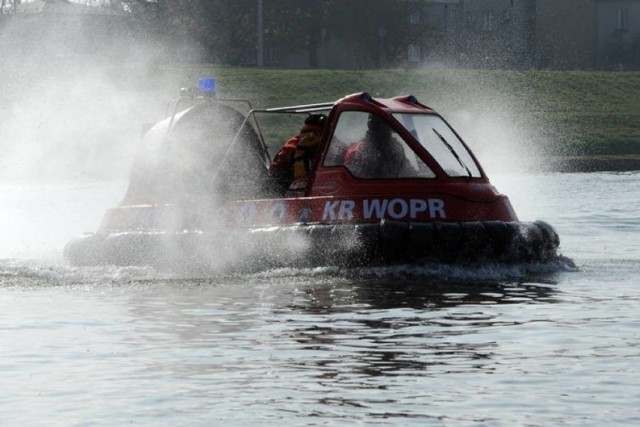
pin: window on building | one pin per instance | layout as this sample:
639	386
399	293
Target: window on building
506	14
271	55
413	53
436	19
414	17
488	21
623	18
470	19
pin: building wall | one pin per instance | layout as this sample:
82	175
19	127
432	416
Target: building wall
523	32
557	34
618	38
566	34
442	24
496	33
484	39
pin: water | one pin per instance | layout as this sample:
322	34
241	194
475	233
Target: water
431	345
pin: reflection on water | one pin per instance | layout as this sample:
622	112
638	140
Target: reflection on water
420	294
336	332
403	328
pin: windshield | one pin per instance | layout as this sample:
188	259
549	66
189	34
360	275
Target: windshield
441	142
369	148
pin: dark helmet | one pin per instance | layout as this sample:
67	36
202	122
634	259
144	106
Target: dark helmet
319	120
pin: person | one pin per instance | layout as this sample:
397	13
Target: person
378	154
292	164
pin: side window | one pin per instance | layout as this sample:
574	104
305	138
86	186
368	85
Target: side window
351	127
369	148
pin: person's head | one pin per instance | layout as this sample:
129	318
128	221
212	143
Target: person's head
378	130
314	123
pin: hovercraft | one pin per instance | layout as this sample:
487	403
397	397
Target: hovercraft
200	193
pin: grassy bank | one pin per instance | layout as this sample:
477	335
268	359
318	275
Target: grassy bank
562	119
563	113
568	113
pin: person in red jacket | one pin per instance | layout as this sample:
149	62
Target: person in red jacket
292	165
379	154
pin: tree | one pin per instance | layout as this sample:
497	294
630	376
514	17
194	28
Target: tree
374	32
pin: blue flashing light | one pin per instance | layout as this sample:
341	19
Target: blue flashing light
207	85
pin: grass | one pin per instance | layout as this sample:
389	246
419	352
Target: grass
561	113
571	113
84	119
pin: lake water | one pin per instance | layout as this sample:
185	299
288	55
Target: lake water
429	345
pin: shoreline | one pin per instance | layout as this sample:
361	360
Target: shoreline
593	164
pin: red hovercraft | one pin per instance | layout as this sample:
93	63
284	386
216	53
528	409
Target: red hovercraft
200	194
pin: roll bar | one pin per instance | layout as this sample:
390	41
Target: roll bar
251	117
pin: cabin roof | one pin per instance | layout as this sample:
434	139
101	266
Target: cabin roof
404	104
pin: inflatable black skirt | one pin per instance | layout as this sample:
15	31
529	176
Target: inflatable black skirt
382	243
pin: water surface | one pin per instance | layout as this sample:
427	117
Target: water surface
408	345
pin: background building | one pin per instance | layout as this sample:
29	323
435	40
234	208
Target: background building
567	34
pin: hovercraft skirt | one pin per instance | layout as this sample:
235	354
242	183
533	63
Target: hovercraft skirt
345	244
